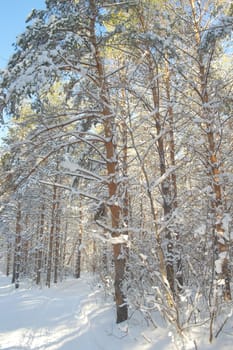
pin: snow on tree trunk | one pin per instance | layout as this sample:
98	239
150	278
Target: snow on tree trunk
165	185
57	237
77	272
213	164
40	242
111	165
17	251
51	238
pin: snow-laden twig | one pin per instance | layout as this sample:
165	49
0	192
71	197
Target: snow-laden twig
222	326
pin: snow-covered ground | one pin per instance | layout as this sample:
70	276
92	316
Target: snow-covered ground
77	315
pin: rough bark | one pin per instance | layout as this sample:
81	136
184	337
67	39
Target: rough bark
213	165
111	165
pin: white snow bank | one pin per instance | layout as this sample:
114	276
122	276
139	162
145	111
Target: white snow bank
76	315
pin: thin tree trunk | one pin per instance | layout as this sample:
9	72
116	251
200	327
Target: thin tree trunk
77	272
40	242
17	252
8	258
25	266
57	250
51	238
105	260
78	247
173	183
63	249
57	237
165	185
160	253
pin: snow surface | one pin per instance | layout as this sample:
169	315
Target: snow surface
77	315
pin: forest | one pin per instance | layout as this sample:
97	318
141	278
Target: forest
117	158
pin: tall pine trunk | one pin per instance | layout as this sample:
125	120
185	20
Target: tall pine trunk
112	169
222	275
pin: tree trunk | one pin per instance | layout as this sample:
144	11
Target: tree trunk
8	258
57	237
178	275
51	238
63	248
40	242
112	163
165	185
17	252
25	246
79	242
213	165
166	190
57	250
221	244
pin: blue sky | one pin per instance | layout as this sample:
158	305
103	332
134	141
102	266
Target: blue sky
13	14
